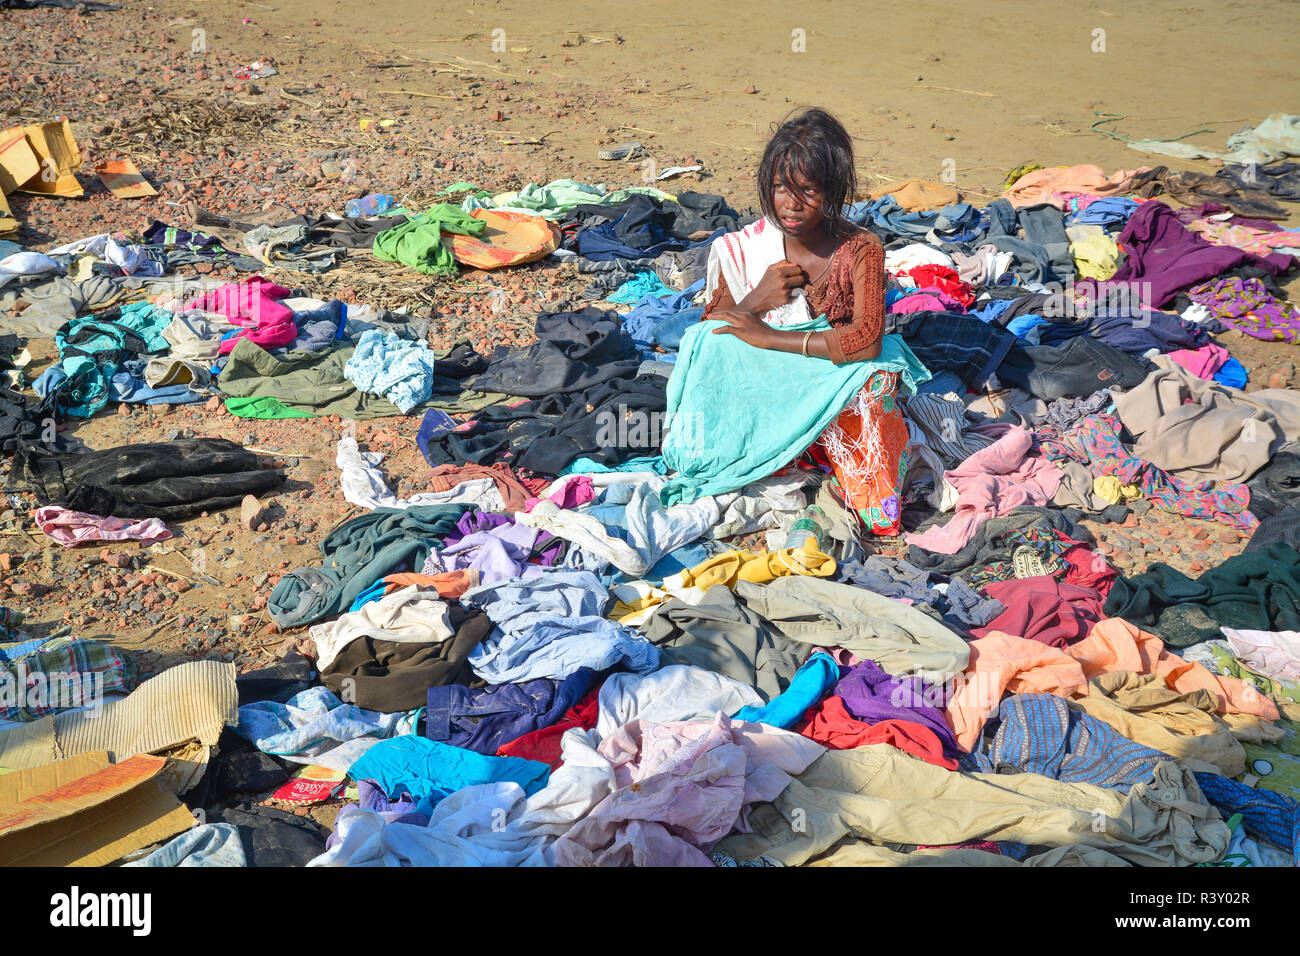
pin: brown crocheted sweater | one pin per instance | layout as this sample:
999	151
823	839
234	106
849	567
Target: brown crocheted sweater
851	294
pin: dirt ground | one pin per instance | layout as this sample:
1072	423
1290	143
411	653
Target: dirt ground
504	93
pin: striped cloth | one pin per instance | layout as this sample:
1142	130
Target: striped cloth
944	422
1040	734
1269	816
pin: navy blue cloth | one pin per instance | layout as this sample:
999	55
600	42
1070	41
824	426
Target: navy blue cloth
643	231
1039	733
434	424
955	342
485	718
1272	817
960	222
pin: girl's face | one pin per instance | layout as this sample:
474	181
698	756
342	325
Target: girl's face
798	205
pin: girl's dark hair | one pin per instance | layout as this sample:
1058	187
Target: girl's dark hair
815	145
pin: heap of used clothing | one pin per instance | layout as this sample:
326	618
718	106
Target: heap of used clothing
583	646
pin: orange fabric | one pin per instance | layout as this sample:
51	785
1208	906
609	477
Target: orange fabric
510	239
448	584
1117	645
868	453
1001	663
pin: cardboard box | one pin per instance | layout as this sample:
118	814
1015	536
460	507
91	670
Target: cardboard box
86	811
58	157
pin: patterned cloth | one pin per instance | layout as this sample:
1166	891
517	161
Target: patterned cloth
49	676
866	447
398	369
1266	815
1040	734
1095	441
1245	305
943	420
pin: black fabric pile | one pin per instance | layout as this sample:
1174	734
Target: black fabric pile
167	480
608	423
574	350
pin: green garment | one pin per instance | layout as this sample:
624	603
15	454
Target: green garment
314	382
357	554
738	413
556	199
263	407
418	241
1256	590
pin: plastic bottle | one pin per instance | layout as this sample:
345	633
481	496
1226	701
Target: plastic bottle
371	205
812	523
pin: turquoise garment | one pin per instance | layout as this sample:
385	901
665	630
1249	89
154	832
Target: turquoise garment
585	466
91	350
738	413
430	770
557	198
809	685
418	241
640	286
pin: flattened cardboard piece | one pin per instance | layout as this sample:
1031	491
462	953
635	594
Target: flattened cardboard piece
124	179
8	223
86	811
59	157
192	701
18	161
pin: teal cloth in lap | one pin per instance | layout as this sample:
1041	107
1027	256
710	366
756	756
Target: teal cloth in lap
737	413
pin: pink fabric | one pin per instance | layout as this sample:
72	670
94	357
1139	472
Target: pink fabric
1202	362
989	484
73	527
251	304
926	300
1041	185
681	788
1258	241
577	491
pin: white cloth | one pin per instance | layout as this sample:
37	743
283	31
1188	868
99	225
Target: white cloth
740	259
364	485
1274	654
130	258
913	255
407	616
671	694
27	264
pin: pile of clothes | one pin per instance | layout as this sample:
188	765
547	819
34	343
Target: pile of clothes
582	648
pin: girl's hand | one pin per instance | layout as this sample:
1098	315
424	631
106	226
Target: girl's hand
744	326
774	289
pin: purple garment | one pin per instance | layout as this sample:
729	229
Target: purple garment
1164	258
496	547
1189	214
871	695
1245	305
485	718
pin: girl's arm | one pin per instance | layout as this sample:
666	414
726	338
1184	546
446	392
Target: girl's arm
860	340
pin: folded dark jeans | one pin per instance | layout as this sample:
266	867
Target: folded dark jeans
1072	370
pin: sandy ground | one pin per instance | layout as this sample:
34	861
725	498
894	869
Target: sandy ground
508	92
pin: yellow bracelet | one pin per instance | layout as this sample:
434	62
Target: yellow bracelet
807	336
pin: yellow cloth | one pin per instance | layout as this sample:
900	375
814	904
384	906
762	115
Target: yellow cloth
1113	490
638	600
917	195
1095	253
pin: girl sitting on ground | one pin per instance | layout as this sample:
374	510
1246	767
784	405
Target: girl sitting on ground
804	259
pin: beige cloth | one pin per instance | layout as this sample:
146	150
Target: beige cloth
917	195
850	852
882	795
1199	430
1038	186
1182	725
